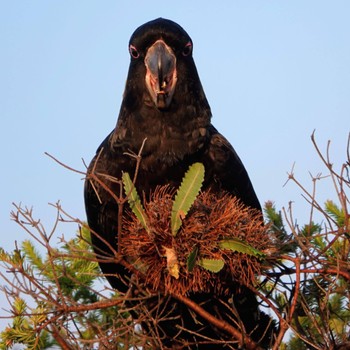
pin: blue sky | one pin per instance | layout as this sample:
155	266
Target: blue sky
273	71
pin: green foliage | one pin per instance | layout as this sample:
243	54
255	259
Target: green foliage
325	315
191	260
322	315
284	241
274	218
134	201
24	328
186	195
64	277
336	213
212	265
237	245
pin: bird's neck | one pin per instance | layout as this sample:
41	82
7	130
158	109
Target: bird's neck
170	134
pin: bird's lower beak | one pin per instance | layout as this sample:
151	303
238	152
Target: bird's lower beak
161	77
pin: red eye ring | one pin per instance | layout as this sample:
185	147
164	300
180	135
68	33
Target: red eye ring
187	49
133	51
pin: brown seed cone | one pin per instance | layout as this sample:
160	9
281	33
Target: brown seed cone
211	219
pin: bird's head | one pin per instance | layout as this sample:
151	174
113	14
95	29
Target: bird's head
160	53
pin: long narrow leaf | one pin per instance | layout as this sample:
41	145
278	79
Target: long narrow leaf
186	195
134	200
239	246
191	260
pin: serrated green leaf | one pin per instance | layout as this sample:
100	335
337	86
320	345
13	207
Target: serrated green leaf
134	200
212	265
191	260
186	195
239	246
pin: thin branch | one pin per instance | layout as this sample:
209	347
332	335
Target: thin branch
221	324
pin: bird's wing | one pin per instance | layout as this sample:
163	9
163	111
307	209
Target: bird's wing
225	169
102	212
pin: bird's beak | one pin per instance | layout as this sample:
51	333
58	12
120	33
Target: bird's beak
161	76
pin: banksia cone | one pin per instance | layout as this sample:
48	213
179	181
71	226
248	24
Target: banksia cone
212	219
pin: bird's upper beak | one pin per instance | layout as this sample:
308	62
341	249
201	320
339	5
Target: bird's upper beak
161	76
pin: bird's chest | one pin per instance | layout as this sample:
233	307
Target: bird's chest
165	155
163	146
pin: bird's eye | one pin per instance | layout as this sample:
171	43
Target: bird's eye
133	51
187	49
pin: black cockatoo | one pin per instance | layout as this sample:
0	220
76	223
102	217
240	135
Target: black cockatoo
165	104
